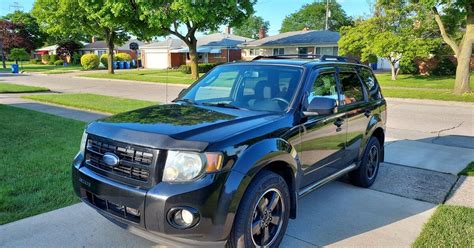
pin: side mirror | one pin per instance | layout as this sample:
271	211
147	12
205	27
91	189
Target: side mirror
321	106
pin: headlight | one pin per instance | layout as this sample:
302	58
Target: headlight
82	148
186	166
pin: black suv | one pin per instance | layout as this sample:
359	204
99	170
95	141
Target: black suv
226	163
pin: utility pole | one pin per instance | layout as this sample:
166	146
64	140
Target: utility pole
16	6
328	14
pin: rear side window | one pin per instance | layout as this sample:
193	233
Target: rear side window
352	91
370	83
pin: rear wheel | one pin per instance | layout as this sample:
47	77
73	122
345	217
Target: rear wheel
365	175
263	214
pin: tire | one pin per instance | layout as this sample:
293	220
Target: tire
255	210
365	175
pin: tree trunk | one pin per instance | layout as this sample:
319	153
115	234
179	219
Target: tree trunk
394	71
193	56
2	53
463	74
109	39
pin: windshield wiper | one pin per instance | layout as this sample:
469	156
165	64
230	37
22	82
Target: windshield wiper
221	104
186	100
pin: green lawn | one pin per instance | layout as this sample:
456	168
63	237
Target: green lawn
16	88
469	170
106	104
47	69
450	226
155	76
423	87
35	162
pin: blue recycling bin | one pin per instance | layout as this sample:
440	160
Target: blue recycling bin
127	64
374	66
15	68
116	65
121	65
134	64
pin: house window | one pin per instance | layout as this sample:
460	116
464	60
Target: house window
278	51
302	50
252	52
326	50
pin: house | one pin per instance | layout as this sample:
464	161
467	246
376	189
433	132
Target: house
320	42
100	47
213	48
48	50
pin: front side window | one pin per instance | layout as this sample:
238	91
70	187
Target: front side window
352	91
258	88
324	86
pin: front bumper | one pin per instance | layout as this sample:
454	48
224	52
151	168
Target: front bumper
207	195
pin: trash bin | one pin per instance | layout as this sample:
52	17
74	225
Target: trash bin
115	65
15	68
127	64
134	64
374	66
121	64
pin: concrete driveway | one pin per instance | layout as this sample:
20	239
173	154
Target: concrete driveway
428	142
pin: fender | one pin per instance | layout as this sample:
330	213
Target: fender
250	163
375	122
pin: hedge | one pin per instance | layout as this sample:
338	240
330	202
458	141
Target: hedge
59	62
90	61
202	68
104	61
123	57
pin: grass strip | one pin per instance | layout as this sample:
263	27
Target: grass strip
16	88
35	162
106	104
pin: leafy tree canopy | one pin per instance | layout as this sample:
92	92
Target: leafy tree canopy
313	16
14	35
251	27
31	27
18	54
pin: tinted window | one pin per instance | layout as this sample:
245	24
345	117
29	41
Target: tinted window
352	91
369	82
325	86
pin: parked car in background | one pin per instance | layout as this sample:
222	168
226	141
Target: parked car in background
226	162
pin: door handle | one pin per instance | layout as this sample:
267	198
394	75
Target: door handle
367	112
339	122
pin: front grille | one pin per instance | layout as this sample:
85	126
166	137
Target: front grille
115	209
135	166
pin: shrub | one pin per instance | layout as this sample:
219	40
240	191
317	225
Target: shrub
76	59
33	61
202	68
45	58
445	67
53	58
186	69
50	63
408	67
104	61
59	62
19	54
90	61
123	57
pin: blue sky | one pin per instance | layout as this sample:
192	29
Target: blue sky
273	11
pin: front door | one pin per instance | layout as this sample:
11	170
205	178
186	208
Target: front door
323	138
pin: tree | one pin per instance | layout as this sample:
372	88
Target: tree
313	16
18	54
183	18
105	19
456	15
31	27
394	33
12	35
66	49
251	27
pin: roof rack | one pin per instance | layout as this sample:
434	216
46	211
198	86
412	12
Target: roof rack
308	56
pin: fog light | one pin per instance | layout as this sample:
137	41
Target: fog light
183	217
133	211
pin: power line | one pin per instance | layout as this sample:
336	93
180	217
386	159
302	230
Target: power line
16	6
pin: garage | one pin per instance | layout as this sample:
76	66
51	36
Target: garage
156	59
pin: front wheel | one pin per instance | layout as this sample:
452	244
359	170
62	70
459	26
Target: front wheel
365	175
263	214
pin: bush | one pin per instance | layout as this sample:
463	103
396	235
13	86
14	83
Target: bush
90	61
50	63
33	61
202	68
409	67
76	59
123	57
445	67
104	61
19	54
45	58
59	62
53	58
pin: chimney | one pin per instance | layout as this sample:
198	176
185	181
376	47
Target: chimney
228	30
262	33
94	39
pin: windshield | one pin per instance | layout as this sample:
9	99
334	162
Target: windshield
252	87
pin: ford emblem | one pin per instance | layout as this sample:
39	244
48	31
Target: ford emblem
110	159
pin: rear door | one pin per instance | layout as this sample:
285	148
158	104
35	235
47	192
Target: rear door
353	101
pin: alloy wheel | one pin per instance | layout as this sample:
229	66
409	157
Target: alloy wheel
372	162
267	218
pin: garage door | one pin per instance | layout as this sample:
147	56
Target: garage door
156	60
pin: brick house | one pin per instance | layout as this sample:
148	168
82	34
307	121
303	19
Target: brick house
100	47
172	52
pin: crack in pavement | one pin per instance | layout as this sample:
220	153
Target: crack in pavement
444	130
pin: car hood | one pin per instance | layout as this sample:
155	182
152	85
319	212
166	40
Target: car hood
178	126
